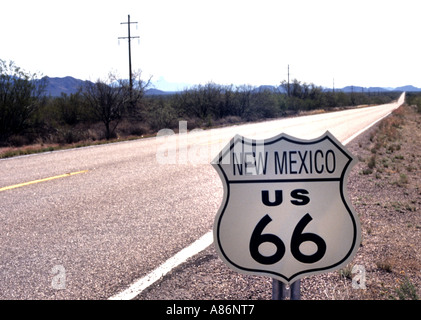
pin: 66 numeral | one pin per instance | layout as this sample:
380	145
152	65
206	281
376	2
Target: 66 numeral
298	237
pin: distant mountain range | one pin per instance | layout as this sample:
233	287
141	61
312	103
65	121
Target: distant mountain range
378	89
69	85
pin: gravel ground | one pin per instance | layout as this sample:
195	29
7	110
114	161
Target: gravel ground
385	189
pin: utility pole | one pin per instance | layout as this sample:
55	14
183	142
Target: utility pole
288	82
130	51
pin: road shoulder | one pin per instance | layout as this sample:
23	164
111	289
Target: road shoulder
385	189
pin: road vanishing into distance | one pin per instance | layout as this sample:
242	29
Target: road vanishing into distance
88	223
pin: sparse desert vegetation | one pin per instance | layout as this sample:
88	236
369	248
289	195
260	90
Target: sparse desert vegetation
110	109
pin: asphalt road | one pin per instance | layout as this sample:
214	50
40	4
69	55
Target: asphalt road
129	207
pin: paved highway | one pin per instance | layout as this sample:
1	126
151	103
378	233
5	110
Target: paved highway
126	208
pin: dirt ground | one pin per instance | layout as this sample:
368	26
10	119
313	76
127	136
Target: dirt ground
385	190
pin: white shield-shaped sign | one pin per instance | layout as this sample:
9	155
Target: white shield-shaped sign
285	211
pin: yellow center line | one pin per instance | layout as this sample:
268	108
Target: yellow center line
41	180
211	142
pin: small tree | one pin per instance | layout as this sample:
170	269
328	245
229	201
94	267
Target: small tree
244	96
136	94
107	102
20	94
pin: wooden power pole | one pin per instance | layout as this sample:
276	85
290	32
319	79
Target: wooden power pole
129	37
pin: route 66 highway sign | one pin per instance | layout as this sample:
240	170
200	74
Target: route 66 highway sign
285	211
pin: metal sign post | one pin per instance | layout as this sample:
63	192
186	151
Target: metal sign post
281	291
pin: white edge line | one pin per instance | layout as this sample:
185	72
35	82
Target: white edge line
141	284
199	245
346	141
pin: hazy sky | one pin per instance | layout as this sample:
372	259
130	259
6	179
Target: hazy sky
367	43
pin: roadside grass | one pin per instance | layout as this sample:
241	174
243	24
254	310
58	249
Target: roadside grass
126	132
386	143
390	164
9	152
406	291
